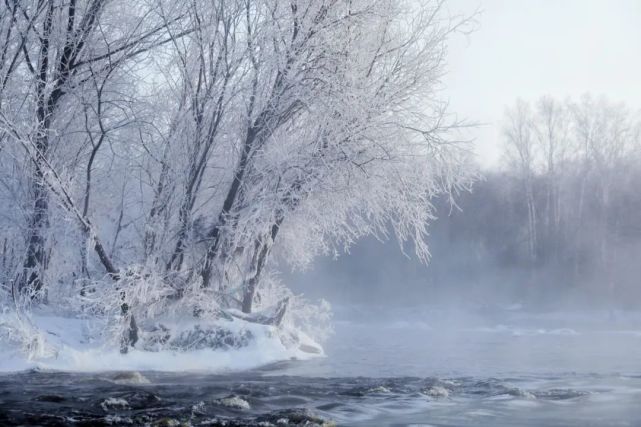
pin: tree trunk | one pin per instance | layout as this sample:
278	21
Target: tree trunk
230	199
262	248
35	260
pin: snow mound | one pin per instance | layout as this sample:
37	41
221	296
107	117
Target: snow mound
114	403
234	402
73	344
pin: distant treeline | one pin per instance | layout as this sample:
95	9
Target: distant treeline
558	222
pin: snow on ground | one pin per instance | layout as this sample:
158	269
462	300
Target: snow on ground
66	344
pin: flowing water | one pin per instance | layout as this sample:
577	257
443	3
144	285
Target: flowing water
430	368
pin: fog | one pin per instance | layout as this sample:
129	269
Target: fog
535	272
320	212
530	49
521	50
553	228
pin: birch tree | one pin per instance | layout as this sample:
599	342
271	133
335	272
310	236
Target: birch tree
551	128
521	150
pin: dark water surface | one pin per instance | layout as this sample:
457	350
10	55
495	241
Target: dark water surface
435	369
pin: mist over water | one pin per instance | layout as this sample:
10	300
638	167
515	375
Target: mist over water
312	213
549	341
384	366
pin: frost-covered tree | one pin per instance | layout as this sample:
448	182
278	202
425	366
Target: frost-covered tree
521	149
576	156
52	50
193	145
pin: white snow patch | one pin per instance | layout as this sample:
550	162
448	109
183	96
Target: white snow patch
234	402
437	392
198	408
78	348
115	419
114	403
380	389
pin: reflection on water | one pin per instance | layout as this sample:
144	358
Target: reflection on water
434	369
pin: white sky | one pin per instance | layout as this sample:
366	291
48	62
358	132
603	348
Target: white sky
530	48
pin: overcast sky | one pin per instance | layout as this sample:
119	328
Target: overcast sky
530	48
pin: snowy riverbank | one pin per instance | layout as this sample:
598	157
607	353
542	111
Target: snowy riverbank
46	341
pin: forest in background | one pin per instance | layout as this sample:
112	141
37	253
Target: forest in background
557	224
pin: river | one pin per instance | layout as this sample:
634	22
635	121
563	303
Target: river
424	366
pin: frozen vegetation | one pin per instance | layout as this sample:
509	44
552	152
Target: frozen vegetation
181	183
161	162
70	344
